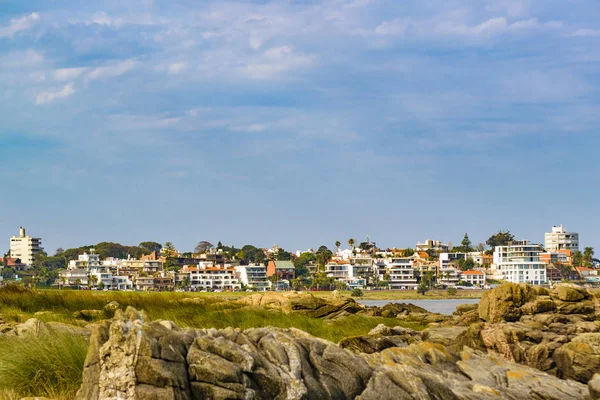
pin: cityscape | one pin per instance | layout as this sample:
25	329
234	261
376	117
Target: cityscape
151	266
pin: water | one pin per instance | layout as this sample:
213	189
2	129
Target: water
443	306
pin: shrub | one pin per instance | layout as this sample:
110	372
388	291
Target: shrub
356	292
451	291
422	288
49	365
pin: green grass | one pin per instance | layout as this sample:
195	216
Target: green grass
49	366
52	366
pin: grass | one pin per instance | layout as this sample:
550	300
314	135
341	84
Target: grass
49	366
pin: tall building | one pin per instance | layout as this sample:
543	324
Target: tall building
25	247
560	239
434	245
519	262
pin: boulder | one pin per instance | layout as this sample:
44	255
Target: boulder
464	308
111	308
33	327
569	292
503	303
446	335
580	358
89	315
594	387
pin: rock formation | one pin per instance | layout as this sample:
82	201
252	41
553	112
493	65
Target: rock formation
130	357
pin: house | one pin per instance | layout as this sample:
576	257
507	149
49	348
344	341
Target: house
163	283
71	277
585	272
15	263
554	273
283	270
435	245
448	274
474	277
120	282
144	283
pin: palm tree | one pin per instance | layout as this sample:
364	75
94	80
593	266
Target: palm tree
93	280
337	245
588	255
62	281
351	243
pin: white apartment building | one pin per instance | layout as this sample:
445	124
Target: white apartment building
401	273
253	276
208	277
519	262
560	239
435	245
25	247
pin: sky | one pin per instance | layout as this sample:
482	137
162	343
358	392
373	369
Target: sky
298	123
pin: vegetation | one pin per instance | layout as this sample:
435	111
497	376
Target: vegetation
49	365
452	291
423	288
356	292
501	238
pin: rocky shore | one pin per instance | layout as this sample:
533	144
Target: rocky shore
519	342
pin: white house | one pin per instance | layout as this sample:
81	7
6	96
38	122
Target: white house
560	239
401	273
474	277
448	273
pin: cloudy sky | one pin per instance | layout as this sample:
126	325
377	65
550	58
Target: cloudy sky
298	122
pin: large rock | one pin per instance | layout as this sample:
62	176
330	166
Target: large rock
569	292
304	303
380	338
503	303
580	358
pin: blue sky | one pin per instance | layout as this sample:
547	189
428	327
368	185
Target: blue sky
298	122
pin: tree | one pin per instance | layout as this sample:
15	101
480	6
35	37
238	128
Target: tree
59	251
466	244
92	280
101	286
169	250
577	258
451	291
337	245
323	256
260	257
186	282
351	243
422	288
501	238
408	252
203	247
356	292
283	255
219	245
480	247
78	282
302	262
151	246
63	280
588	256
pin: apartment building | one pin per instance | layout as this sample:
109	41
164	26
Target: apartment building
254	276
25	247
208	277
85	261
284	270
560	239
448	273
400	271
519	262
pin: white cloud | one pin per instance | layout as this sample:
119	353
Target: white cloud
19	24
277	60
490	27
586	32
252	128
67	74
112	70
21	59
49	97
101	18
176	68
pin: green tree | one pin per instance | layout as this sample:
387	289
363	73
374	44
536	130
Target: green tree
203	247
169	250
151	246
351	243
337	245
301	263
466	244
422	288
186	282
501	238
356	292
577	258
451	291
78	282
101	286
323	255
283	255
408	252
480	247
92	280
588	256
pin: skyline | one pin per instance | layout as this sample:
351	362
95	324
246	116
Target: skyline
298	123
